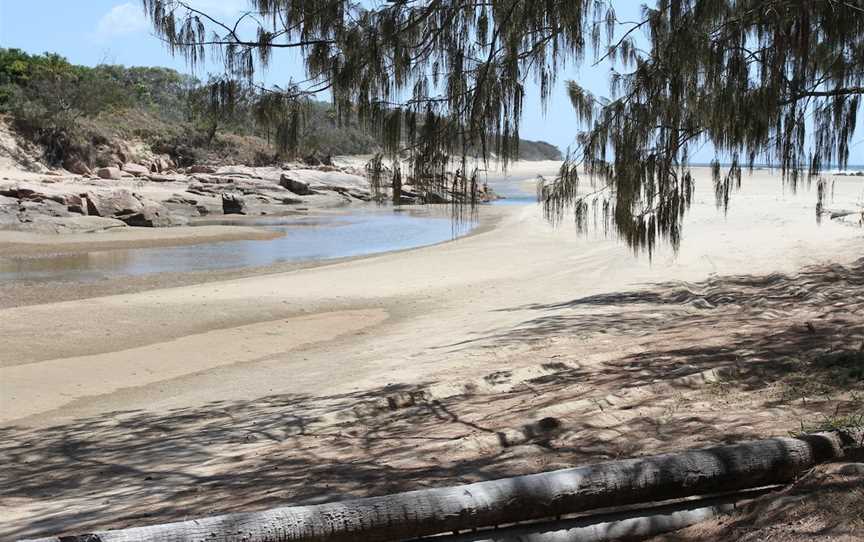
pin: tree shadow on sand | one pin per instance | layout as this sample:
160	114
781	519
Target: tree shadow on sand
757	324
139	467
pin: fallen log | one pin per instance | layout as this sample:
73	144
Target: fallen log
511	500
635	524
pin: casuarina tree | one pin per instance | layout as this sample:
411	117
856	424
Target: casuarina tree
442	83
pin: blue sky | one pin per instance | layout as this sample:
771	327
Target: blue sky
91	32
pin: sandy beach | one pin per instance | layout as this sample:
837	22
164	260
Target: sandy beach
398	370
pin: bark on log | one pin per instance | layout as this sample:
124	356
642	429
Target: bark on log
620	526
510	500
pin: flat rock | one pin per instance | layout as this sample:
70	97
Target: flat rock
136	169
45	207
71	224
164	178
201	169
329	179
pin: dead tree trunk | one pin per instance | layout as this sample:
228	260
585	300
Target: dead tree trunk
397	186
510	500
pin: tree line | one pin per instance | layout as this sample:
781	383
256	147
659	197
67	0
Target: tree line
78	112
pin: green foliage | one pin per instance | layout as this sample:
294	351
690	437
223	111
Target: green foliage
75	110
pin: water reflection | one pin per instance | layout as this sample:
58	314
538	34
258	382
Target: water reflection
361	232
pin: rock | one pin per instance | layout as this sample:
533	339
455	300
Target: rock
77	167
311	160
153	215
167	178
212	179
202	169
8	211
111	173
293	185
76	204
180	199
136	169
71	224
45	207
233	204
161	164
180	205
19	192
113	204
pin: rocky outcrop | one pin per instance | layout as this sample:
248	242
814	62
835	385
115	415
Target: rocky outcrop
293	185
131	209
153	215
136	169
70	224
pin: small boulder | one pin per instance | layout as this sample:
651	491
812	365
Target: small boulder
153	215
111	173
113	204
233	204
136	169
293	185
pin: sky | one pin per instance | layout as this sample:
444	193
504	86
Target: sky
92	32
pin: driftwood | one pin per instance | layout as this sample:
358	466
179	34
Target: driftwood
633	524
484	504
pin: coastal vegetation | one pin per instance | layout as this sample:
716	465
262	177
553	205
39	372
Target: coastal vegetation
85	113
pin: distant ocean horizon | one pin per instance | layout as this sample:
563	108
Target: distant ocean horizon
830	168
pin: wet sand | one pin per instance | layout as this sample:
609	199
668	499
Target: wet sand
14	244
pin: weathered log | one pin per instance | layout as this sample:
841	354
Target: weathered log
510	500
635	524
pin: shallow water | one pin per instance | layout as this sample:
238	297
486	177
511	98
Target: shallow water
359	232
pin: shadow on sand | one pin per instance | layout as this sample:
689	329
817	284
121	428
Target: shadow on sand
139	467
